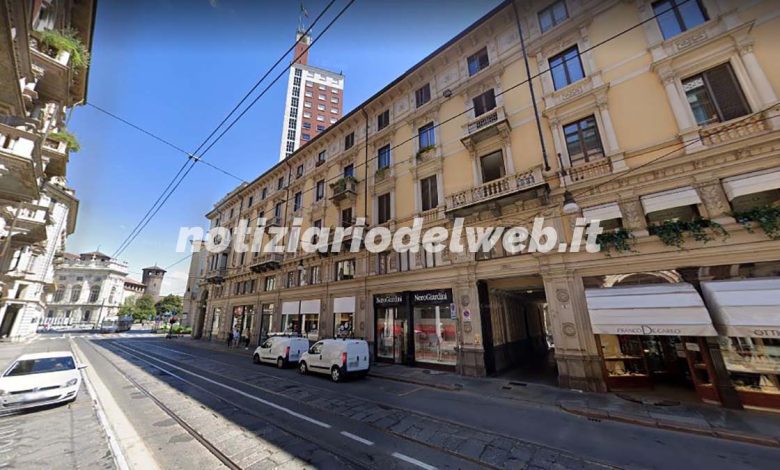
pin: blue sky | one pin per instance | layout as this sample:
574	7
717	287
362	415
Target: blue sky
177	67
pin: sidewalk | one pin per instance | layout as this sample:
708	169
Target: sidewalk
754	427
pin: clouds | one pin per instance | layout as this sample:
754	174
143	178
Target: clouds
174	282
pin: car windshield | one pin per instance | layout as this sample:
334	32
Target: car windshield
39	366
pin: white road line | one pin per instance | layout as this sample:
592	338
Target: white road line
228	387
356	438
168	349
412	461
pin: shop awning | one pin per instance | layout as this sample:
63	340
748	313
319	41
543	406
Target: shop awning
344	305
291	308
745	307
310	306
652	309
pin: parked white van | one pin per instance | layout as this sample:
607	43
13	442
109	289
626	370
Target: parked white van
338	357
281	350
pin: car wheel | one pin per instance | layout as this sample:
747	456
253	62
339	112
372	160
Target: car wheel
256	359
302	369
280	363
335	374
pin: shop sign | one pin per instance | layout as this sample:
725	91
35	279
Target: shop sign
692	347
388	299
766	333
432	297
649	330
453	312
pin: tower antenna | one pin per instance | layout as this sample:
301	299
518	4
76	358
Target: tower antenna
303	13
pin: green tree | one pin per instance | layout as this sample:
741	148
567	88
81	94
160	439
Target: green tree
144	308
128	309
169	304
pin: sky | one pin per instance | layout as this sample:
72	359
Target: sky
177	67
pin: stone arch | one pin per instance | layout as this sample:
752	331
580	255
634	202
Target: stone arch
647	277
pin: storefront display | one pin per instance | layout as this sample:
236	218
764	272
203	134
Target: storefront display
266	317
392	330
343	317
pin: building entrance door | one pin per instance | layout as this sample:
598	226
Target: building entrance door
9	319
392	334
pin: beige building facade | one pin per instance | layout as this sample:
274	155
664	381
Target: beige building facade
658	118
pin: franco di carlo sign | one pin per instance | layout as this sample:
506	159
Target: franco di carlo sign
647	330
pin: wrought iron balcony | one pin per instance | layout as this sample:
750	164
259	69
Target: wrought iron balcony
216	276
496	189
484	126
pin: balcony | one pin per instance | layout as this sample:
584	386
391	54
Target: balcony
496	189
485	126
216	276
17	146
589	170
432	216
736	129
344	188
267	262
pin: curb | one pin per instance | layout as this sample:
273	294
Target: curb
671	426
449	388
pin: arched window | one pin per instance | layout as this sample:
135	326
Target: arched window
94	293
59	294
75	293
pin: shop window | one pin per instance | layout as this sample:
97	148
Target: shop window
343	326
478	61
751	201
753	365
383	208
345	270
715	95
425	136
566	68
552	16
583	142
266	316
311	326
484	102
677	16
682	213
492	166
422	95
435	335
429	193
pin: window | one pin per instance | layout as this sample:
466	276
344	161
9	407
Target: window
320	128
251	200
314	275
306	104
566	68
478	61
94	294
299	171
334	110
346	217
426	136
428	258
582	141
319	190
264	193
677	16
297	201
278	210
383	120
270	283
301	277
306	137
75	294
383	208
552	16
349	140
321	156
492	166
333	120
422	95
382	262
290	279
308	93
320	118
429	193
404	261
59	294
306	114
484	102
309	85
321	97
307	125
280	183
715	95
334	100
321	107
383	157
345	270
349	170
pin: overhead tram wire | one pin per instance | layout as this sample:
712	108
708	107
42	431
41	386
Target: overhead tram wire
512	87
192	157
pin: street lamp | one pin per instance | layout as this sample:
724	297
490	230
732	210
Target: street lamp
570	206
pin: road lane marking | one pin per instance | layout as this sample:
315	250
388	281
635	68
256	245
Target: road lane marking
228	387
410	391
413	461
356	438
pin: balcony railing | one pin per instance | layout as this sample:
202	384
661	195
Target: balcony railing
496	189
432	215
343	188
216	276
267	262
15	141
594	169
484	125
726	132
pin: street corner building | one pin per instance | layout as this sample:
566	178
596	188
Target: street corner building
661	119
44	66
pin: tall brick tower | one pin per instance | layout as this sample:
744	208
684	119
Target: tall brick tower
153	278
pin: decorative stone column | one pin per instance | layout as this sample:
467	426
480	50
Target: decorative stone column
633	216
765	91
471	353
576	352
715	201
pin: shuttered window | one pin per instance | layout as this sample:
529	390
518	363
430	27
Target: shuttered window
715	95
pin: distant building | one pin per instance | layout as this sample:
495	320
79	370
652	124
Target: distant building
195	297
89	288
152	279
315	100
133	289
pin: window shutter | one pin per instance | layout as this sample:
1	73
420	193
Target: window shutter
726	91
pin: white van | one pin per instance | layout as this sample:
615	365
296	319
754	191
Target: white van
338	357
281	350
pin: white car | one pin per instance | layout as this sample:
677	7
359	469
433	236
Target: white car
339	358
281	350
40	379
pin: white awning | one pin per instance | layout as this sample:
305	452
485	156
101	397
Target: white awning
603	212
344	305
751	183
310	306
291	308
679	197
652	309
745	307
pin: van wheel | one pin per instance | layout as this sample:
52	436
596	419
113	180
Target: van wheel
335	374
302	369
256	359
280	363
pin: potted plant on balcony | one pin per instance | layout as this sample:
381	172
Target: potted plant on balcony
55	43
380	173
341	184
766	217
423	150
69	139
